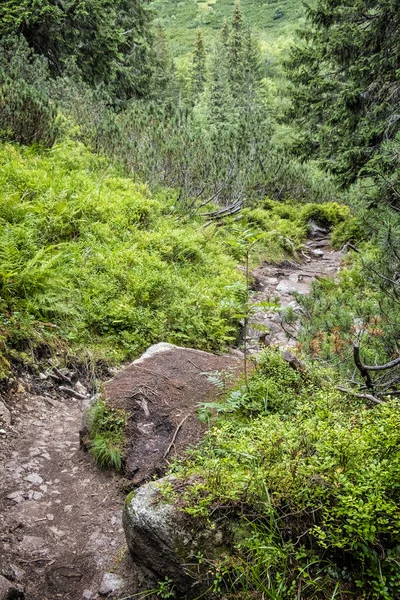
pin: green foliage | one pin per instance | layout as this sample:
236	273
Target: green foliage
344	71
27	115
183	19
311	479
105	262
326	215
107	430
118	56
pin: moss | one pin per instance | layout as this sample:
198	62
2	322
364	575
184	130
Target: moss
130	497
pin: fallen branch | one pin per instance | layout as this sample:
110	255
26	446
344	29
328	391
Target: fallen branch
388	365
32	560
72	393
62	376
370	397
174	437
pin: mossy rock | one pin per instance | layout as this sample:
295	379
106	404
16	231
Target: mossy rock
169	542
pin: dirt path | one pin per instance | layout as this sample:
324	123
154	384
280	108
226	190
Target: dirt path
280	282
60	517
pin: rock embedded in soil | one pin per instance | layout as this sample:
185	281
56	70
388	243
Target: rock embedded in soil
161	392
10	590
165	540
5	415
110	583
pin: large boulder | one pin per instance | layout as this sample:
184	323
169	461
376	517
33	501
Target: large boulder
164	539
161	392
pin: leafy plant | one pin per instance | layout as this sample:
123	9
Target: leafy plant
305	483
107	435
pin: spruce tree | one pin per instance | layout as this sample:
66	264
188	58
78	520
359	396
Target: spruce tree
199	65
345	75
235	49
110	41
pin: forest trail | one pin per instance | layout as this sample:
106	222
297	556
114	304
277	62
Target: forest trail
60	517
279	282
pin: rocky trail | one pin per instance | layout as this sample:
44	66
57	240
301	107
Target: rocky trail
280	282
61	534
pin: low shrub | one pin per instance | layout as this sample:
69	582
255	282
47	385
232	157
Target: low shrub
307	478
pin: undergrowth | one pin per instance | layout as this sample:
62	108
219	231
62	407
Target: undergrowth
90	259
307	479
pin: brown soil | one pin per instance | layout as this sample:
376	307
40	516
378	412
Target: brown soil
60	517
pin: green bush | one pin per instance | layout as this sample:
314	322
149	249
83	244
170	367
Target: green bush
103	260
27	114
326	215
107	429
312	478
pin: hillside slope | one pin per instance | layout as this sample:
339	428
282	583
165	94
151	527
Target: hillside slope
274	21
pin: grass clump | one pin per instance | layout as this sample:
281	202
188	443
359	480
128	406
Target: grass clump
307	480
107	436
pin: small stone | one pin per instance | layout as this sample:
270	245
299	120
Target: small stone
5	415
50	517
317	253
80	388
32	544
17	573
10	590
14	495
42	376
34	478
87	594
3	432
110	583
37	496
58	533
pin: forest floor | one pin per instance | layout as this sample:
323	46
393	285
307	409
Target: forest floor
60	517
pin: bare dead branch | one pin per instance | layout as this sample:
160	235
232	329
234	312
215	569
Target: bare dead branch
361	367
370	397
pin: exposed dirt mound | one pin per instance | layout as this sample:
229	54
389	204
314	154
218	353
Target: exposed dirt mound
160	391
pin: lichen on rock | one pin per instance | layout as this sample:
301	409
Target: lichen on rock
169	542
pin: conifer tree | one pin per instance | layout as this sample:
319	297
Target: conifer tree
235	49
110	41
163	80
199	65
345	75
224	36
